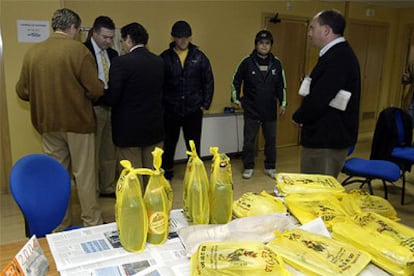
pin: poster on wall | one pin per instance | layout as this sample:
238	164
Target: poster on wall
29	31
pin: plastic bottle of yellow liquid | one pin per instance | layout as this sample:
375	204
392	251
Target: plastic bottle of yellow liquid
132	220
156	202
157	160
221	185
127	167
196	189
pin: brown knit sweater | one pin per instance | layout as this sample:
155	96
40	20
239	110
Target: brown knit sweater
59	79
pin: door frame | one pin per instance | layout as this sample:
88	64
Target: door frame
5	146
305	61
408	54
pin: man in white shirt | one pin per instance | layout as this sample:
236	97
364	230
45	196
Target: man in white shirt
329	127
99	43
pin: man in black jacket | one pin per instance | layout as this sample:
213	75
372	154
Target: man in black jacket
329	113
188	90
99	43
135	91
263	80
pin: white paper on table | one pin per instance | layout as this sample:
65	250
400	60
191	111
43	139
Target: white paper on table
316	226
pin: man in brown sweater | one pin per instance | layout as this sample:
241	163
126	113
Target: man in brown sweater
57	79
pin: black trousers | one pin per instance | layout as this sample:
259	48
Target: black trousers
191	125
250	131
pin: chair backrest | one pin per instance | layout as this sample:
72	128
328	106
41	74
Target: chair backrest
393	129
41	187
399	123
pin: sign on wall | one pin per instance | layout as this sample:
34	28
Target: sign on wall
29	31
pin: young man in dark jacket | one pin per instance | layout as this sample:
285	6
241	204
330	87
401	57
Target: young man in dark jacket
263	80
188	90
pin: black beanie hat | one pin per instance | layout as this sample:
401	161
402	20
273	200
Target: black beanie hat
263	35
181	29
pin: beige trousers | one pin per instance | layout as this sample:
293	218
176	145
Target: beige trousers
76	152
323	161
140	157
106	164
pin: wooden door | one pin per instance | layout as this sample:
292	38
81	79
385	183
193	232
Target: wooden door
369	43
290	40
5	145
404	95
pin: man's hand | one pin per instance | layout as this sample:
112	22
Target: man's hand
282	110
297	124
406	79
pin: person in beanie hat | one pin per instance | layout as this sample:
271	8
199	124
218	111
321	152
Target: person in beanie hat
263	80
181	29
188	91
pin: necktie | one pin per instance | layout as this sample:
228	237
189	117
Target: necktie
105	66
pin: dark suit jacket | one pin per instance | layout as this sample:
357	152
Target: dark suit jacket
135	94
325	126
111	54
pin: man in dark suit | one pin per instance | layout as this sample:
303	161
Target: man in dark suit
329	113
135	92
99	42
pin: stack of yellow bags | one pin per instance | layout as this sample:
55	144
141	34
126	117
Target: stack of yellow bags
253	204
237	258
390	243
315	254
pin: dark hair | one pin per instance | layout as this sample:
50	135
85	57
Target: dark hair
334	19
136	32
63	19
103	22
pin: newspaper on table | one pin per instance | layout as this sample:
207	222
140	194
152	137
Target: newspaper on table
30	260
97	251
167	259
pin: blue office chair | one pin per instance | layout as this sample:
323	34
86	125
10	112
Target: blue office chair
393	141
403	153
364	171
41	187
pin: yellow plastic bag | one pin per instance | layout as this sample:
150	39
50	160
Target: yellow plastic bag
307	207
127	167
237	259
221	188
390	243
288	183
158	201
196	189
131	214
252	204
314	254
358	201
158	174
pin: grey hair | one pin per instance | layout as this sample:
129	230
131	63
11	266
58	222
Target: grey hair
63	19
